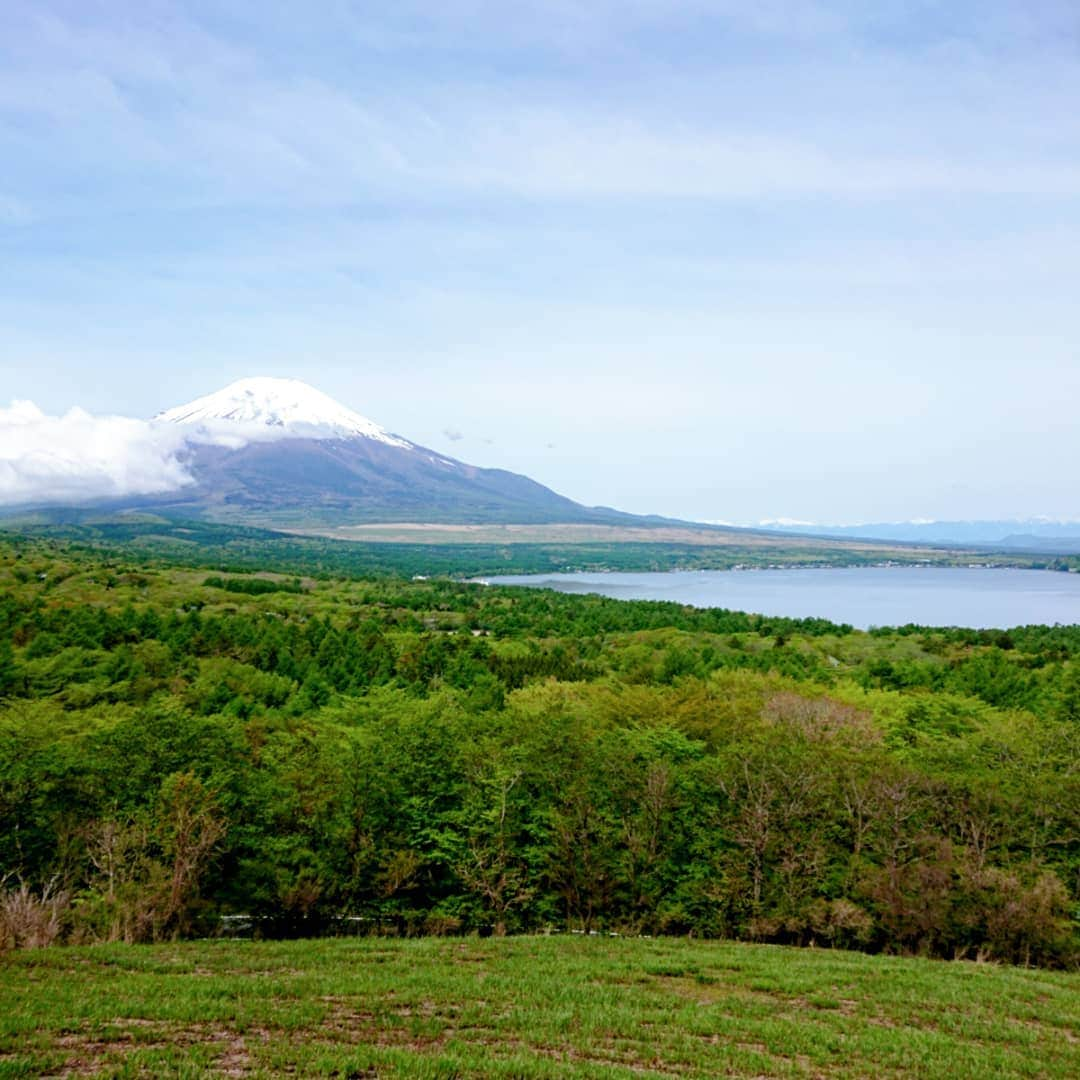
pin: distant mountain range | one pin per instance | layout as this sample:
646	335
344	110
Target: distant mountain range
1030	535
278	452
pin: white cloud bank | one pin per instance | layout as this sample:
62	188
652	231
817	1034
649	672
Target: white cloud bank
76	457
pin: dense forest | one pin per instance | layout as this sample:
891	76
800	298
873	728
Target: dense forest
182	739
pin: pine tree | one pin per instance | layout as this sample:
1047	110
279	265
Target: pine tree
7	666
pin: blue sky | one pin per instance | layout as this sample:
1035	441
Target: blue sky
719	260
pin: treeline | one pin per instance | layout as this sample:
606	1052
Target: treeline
253	586
437	757
236	549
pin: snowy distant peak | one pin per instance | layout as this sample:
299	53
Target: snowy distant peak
288	405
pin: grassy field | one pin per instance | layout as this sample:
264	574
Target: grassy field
526	1007
706	536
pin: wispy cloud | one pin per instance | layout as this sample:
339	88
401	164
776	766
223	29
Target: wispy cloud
548	154
190	117
14	211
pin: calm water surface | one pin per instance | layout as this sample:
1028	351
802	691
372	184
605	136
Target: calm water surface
862	596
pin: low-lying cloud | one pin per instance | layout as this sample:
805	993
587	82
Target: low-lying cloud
78	457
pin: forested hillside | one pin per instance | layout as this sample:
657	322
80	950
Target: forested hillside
180	743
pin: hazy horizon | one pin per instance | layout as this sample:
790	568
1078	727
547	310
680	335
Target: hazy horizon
707	260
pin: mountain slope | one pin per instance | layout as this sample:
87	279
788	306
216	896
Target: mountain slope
362	480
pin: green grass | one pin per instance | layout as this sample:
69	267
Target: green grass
526	1007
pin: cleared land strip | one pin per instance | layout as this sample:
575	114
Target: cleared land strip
527	1007
417	533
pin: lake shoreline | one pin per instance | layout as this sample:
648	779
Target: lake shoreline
977	596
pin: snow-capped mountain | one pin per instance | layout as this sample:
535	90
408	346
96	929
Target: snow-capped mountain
288	407
279	452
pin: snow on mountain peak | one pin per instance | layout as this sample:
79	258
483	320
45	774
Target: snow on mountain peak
288	407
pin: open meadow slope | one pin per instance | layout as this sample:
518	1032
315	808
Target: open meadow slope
527	1007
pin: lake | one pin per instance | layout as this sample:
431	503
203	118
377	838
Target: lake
861	596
